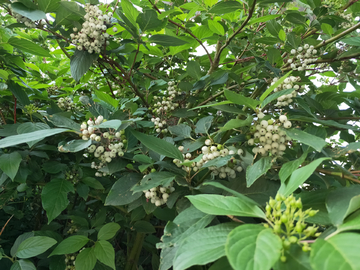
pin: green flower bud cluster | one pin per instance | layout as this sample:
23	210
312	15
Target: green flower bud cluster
66	104
72	176
70	260
287	219
267	137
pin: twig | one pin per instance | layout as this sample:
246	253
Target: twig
338	174
15	105
235	219
133	64
227	42
2	116
108	83
349	4
187	31
63	50
3	228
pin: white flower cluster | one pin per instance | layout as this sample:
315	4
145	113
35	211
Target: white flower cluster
268	137
347	17
160	194
160	126
21	19
66	104
109	144
289	83
167	104
210	152
93	33
302	57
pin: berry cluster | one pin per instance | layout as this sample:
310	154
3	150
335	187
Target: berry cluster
160	126
21	19
286	217
70	261
73	228
289	83
166	105
347	17
93	33
209	152
109	144
302	57
66	103
268	137
160	194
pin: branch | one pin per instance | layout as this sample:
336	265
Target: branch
218	53
338	174
133	64
64	51
349	4
325	42
108	83
187	31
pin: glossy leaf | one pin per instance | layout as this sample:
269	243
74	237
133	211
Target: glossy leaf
241	100
105	253
253	247
225	7
260	167
289	167
225	205
203	246
9	164
108	231
86	259
34	246
166	40
54	197
80	63
159	146
29	13
316	142
180	130
69	245
23	265
28	46
204	124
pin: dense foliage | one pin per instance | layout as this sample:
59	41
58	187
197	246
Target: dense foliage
196	135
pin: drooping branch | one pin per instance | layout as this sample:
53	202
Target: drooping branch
349	4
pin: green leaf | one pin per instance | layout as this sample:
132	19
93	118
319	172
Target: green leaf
295	17
21	238
48	5
107	98
282	35
203	246
105	253
275	96
148	20
272	87
28	46
241	100
299	176
61	120
28	137
159	146
338	252
355	41
130	11
69	245
29	13
23	265
254	171
143	226
18	92
86	259
289	167
225	7
34	246
193	69
273	27
108	231
342	202
296	259
153	180
314	141
263	19
217	162
216	27
252	247
9	164
30	127
204	124
75	145
120	193
80	63
180	130
54	197
165	40
225	205
236	123
92	182
352	223
115	124
327	29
